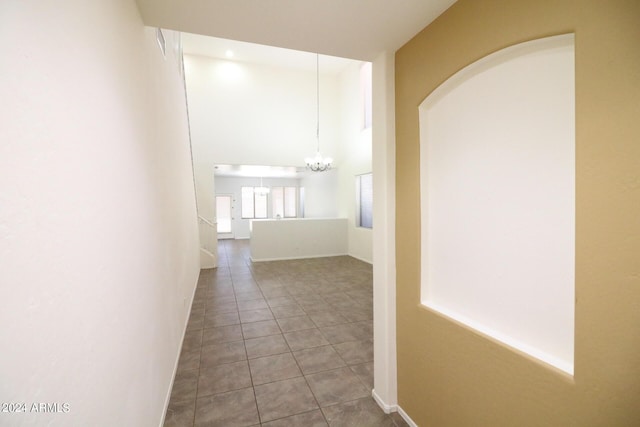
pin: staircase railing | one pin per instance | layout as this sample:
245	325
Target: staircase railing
207	234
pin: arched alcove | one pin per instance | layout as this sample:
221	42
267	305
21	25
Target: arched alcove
497	176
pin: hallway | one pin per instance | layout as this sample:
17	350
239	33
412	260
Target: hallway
286	343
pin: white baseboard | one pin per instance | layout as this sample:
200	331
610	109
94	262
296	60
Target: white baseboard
381	403
175	365
296	257
361	259
406	417
310	256
207	259
392	408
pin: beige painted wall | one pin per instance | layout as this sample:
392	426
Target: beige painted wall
451	376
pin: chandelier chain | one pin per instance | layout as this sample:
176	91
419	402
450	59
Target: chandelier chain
318	100
318	163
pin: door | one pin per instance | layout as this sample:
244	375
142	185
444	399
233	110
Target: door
224	212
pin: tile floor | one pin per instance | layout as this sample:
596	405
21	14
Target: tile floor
272	344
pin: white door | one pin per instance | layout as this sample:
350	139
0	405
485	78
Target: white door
224	216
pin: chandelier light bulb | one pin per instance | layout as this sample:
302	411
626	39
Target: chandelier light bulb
318	163
262	190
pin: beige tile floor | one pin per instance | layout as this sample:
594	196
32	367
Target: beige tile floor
286	343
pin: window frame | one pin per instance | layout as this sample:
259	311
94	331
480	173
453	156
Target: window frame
359	201
253	204
286	201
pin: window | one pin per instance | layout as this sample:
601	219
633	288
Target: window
277	198
364	200
223	213
290	202
284	202
247	202
366	91
301	206
254	205
260	205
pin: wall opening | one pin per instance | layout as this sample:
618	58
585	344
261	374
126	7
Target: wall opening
497	175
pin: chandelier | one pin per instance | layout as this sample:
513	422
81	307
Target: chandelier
318	163
262	190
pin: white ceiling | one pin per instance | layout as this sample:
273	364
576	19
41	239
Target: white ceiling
284	32
215	47
356	29
256	171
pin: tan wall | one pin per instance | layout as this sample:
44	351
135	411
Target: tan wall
449	375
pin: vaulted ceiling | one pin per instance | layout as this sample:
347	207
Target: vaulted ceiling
356	29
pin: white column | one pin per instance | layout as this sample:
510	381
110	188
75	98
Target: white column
384	270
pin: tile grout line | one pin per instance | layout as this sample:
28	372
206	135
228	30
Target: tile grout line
297	364
346	365
287	282
244	343
201	345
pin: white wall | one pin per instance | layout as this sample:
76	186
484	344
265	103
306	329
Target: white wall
321	194
233	186
243	113
98	231
355	152
507	270
298	238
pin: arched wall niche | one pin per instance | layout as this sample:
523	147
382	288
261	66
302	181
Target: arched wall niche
497	178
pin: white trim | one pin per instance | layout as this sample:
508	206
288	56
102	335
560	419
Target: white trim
361	259
384	237
207	259
386	408
503	339
406	417
206	221
298	257
175	366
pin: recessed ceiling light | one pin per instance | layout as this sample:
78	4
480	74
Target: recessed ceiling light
229	53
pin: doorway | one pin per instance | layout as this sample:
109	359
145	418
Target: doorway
224	213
